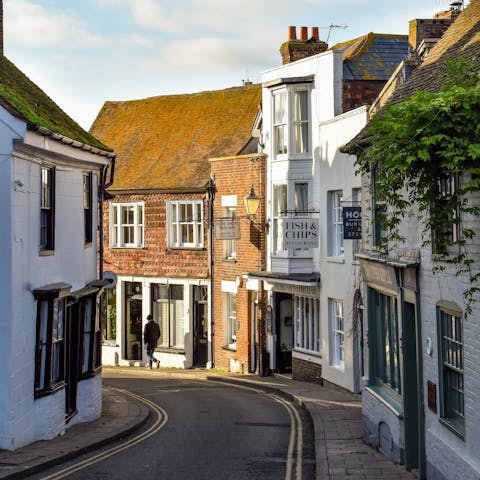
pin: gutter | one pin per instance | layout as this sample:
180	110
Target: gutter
74	143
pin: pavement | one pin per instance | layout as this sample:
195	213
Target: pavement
336	414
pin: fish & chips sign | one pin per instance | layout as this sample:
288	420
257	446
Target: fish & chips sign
300	233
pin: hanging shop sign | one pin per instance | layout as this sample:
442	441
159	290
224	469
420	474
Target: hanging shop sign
300	233
352	223
227	228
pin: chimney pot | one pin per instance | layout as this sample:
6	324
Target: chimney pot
303	33
315	33
292	32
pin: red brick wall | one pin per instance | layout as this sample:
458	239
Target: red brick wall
360	92
155	259
234	176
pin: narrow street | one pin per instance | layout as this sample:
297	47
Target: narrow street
203	430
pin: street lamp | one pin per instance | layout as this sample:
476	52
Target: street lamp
252	202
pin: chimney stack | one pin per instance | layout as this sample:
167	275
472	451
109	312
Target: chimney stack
292	33
294	49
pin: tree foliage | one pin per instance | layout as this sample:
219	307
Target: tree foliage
418	147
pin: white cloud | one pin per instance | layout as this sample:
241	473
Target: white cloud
29	24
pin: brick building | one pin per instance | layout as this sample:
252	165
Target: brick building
239	247
155	224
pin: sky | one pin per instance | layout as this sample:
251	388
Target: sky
85	52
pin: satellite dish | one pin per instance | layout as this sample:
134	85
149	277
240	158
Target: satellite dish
111	277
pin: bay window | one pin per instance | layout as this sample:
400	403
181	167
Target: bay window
291	121
307	323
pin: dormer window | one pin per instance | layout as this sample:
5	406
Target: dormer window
291	121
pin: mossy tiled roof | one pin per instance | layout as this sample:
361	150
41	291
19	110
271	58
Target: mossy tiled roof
374	56
461	40
25	100
165	142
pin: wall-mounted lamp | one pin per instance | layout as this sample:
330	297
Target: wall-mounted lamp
252	203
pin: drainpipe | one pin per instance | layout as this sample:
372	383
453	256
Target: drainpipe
211	189
102	195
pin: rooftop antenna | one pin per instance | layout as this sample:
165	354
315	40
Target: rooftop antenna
331	27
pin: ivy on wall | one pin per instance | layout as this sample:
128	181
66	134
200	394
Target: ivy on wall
426	155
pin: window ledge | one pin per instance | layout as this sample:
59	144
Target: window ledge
230	349
230	260
178	351
129	247
335	259
186	248
387	398
453	427
46	253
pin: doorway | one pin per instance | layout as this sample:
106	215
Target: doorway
133	321
284	331
413	394
200	326
72	337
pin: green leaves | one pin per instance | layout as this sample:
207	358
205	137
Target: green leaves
427	149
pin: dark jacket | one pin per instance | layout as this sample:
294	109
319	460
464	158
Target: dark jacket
151	334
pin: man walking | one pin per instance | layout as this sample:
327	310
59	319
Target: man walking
151	334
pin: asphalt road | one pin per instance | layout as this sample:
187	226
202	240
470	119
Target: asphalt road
204	430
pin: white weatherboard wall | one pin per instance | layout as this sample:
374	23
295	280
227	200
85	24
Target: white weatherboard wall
22	418
340	276
8	128
449	456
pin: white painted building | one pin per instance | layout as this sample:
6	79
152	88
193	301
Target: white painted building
422	375
311	106
50	172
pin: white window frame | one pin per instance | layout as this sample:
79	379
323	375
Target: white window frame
279	216
230	320
290	122
335	224
307	324
117	228
337	332
175	224
230	245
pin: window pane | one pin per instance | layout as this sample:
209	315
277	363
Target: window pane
301	121
301	197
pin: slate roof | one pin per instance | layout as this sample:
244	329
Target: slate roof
461	39
165	142
26	101
374	56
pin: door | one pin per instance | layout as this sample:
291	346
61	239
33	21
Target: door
133	321
413	395
72	351
253	363
200	326
284	331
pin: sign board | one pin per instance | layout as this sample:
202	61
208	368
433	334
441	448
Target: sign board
227	228
300	233
352	223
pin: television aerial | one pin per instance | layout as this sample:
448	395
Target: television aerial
331	27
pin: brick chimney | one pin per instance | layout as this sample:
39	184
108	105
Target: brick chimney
293	49
429	29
